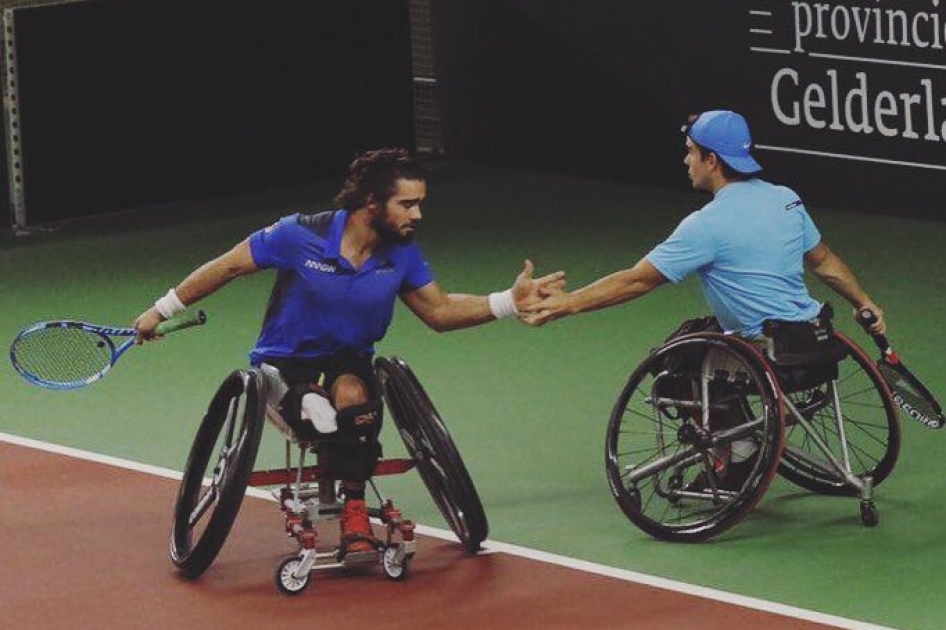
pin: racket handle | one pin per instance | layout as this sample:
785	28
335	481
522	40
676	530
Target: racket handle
866	318
179	323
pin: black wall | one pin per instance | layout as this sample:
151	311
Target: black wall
602	87
130	103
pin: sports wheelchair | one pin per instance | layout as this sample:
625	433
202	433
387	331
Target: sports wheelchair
810	403
221	466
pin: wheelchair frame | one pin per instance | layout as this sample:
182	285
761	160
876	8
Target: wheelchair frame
811	441
220	467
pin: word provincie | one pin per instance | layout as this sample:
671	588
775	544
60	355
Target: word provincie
829	101
867	25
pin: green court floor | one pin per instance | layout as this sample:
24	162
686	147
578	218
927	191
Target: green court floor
527	407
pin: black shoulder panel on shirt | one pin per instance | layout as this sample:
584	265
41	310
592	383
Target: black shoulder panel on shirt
320	223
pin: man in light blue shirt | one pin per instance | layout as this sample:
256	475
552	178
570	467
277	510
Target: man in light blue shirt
749	245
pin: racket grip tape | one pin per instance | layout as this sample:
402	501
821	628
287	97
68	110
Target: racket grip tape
179	323
866	317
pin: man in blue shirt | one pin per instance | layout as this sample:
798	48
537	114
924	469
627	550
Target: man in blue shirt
748	246
338	275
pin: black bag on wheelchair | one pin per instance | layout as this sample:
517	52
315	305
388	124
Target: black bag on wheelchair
804	354
706	323
683	367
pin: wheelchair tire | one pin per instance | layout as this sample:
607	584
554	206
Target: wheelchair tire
664	439
872	428
429	443
224	450
286	582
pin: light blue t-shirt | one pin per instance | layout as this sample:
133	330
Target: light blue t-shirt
748	247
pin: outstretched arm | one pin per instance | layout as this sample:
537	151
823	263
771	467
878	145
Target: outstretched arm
444	311
620	286
833	271
201	282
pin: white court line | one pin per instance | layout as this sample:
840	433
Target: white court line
491	546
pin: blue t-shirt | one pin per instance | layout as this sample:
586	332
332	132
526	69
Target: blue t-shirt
321	305
748	247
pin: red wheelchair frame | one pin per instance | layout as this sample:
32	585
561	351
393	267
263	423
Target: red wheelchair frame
220	468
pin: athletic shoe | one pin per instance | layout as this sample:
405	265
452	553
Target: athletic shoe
732	478
356	529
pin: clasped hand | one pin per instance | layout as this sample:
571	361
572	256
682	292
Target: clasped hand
539	300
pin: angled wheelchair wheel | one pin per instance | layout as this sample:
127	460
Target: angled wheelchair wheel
682	417
218	469
429	443
871	428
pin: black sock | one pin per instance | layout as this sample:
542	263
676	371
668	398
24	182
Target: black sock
354	494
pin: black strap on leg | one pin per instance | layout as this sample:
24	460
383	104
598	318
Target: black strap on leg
354	449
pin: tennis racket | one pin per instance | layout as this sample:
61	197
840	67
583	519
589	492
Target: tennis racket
910	394
69	354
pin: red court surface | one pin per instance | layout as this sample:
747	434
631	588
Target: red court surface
84	545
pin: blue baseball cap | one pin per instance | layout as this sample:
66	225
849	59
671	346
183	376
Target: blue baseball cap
726	134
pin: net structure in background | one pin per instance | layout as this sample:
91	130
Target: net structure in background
428	128
127	104
13	190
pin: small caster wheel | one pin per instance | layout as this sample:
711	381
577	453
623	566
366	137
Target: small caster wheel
286	581
869	515
396	564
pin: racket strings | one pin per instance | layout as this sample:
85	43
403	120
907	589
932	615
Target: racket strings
62	355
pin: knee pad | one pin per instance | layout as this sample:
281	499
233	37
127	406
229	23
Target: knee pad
354	448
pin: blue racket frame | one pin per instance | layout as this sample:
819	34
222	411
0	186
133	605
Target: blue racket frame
105	333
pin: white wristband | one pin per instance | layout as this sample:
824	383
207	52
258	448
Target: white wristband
502	304
170	305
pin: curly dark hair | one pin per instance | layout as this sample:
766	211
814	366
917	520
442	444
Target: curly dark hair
374	174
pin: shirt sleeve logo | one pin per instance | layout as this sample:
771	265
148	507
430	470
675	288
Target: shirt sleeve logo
794	204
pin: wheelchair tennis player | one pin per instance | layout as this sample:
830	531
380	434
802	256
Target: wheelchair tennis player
749	246
338	274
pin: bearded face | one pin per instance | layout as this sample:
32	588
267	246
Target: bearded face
398	220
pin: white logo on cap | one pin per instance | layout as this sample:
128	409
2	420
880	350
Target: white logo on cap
747	145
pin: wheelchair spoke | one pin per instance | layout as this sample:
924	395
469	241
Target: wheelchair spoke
648	461
662	463
637	451
206	500
870	439
868	430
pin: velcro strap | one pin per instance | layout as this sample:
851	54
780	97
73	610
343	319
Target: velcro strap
361	420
